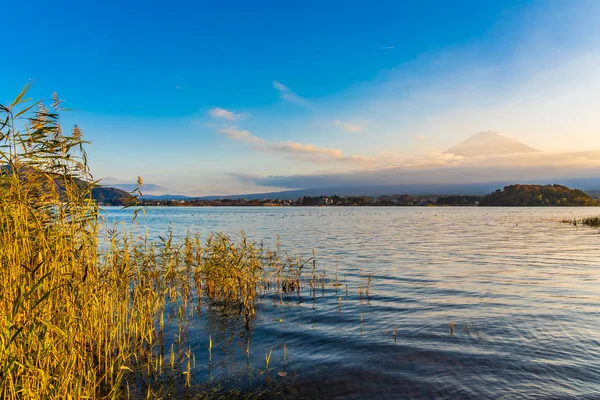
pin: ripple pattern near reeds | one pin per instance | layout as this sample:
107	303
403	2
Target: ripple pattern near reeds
521	288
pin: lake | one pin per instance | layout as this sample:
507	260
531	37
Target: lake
521	289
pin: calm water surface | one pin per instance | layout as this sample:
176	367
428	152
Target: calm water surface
522	289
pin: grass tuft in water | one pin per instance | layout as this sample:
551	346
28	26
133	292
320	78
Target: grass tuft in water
593	222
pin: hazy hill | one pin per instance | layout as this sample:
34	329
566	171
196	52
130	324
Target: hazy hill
111	196
101	194
489	143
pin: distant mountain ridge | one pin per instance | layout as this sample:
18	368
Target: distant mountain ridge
517	195
585	184
489	143
522	165
104	195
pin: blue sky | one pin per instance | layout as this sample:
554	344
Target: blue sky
220	97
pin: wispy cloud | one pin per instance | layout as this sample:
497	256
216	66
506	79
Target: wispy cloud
287	94
311	149
348	127
242	136
302	151
386	48
223	113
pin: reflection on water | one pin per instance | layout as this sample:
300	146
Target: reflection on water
522	289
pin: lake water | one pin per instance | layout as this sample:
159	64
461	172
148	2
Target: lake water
522	289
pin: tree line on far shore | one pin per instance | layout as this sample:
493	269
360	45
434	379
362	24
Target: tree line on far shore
513	195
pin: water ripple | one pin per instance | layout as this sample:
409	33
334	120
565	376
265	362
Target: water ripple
521	288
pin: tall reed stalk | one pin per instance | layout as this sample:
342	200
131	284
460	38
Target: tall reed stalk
82	304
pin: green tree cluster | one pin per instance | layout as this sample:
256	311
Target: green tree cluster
538	195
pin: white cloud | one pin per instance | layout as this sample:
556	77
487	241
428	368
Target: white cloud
287	94
353	128
302	151
242	136
222	113
311	149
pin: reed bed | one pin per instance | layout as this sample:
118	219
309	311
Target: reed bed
83	305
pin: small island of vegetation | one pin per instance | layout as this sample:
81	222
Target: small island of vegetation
538	195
